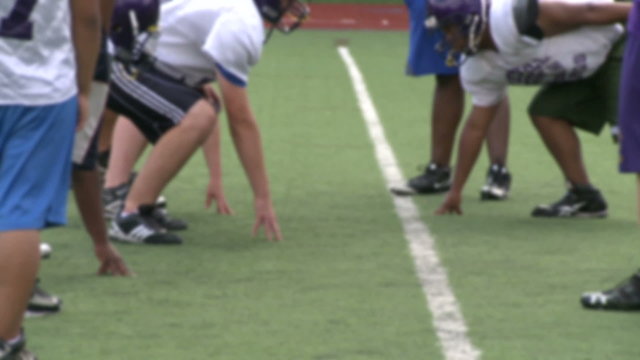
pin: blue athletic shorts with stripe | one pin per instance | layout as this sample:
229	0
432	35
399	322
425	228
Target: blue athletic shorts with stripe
423	57
35	164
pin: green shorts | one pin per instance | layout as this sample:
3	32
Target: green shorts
587	104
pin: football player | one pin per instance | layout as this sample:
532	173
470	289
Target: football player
86	183
133	30
168	95
626	295
85	178
425	58
573	48
48	52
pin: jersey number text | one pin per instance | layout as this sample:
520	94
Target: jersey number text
17	25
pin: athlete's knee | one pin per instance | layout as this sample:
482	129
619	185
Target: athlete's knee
201	117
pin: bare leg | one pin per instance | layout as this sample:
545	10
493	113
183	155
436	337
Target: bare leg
127	146
170	154
19	262
498	136
448	106
563	143
106	130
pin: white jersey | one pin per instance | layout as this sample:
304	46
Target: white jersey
37	63
200	36
527	61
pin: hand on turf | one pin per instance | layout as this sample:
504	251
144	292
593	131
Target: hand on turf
83	111
111	263
451	204
214	192
266	217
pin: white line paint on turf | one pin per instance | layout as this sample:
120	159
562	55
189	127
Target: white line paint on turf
447	317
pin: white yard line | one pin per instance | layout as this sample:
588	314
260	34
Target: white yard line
447	317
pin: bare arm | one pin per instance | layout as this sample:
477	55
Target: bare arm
558	16
211	150
246	138
473	134
86	40
106	10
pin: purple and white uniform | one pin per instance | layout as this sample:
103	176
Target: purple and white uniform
629	107
522	60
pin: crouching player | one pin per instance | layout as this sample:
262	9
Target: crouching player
572	48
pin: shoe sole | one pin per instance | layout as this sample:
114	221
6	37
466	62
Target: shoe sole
124	240
486	195
610	307
403	190
118	236
30	314
45	308
578	215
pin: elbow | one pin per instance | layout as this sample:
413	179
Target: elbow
605	13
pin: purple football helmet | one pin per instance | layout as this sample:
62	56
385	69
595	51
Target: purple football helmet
130	19
468	16
284	15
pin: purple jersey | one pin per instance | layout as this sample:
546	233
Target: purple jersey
629	110
633	25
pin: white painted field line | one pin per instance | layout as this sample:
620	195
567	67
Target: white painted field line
447	317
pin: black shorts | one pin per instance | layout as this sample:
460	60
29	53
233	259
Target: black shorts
588	104
153	100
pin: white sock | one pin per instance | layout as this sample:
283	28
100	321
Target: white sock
15	340
124	214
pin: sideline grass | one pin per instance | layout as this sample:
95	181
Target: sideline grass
342	285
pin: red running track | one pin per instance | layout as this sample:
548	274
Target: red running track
357	17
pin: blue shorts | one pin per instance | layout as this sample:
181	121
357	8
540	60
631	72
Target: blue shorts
629	107
35	164
423	57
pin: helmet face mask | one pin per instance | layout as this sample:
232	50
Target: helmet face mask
462	21
284	15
